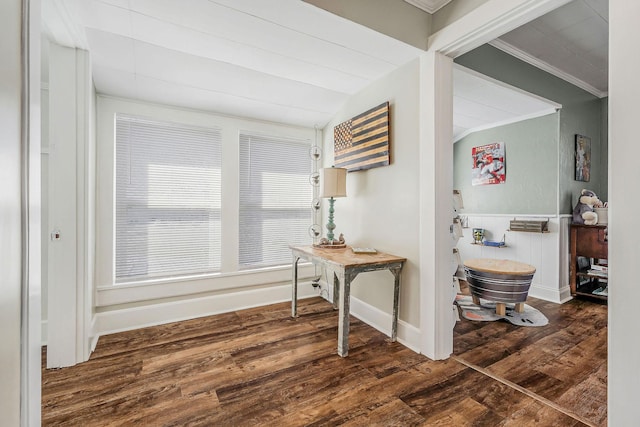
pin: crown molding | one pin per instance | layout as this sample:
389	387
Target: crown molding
487	22
430	6
521	118
544	66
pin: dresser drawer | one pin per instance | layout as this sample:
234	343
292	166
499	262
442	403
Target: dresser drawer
590	242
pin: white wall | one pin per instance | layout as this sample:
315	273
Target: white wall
624	249
381	209
405	208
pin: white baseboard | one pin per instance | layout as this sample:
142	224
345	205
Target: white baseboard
547	293
408	335
93	334
151	315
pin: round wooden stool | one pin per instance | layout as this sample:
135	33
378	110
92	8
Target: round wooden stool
499	280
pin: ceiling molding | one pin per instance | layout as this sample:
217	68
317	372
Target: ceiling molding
521	118
494	101
430	6
512	88
487	22
544	66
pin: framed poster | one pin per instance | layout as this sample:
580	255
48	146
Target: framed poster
583	158
489	165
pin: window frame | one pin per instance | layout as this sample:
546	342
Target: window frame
107	292
306	144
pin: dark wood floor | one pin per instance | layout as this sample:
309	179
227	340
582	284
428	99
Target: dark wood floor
261	367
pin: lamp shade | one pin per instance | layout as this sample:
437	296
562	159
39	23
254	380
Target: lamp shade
333	182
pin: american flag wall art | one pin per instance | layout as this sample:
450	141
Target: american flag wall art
363	142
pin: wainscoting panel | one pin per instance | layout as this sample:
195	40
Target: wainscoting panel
545	251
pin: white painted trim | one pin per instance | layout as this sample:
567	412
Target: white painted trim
93	337
511	215
157	314
175	287
548	293
31	382
66	175
104	252
44	332
408	335
487	22
430	6
505	122
436	184
481	25
544	66
564	257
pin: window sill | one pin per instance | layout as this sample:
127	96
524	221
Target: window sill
128	292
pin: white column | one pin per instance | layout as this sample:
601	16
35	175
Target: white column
436	186
19	214
624	249
70	283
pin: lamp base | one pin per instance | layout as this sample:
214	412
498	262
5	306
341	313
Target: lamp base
331	244
335	245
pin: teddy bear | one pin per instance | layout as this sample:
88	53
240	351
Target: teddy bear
583	212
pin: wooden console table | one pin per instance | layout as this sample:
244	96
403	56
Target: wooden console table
345	266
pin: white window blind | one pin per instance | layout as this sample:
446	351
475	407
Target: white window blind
275	199
167	199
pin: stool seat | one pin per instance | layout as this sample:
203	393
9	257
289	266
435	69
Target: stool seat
499	280
500	266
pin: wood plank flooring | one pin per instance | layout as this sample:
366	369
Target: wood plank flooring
564	362
261	367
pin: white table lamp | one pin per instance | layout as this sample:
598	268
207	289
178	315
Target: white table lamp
333	183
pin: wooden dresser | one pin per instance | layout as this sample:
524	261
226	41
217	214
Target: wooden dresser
587	241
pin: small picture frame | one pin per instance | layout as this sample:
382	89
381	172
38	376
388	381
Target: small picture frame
583	158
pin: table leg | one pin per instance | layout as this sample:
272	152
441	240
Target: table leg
476	300
501	309
336	289
396	302
519	307
294	287
343	315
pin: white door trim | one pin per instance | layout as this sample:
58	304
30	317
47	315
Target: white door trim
481	25
436	204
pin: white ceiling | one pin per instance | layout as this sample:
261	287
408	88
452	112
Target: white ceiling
284	61
480	102
571	42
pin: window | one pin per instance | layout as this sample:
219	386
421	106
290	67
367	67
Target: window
167	199
275	199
